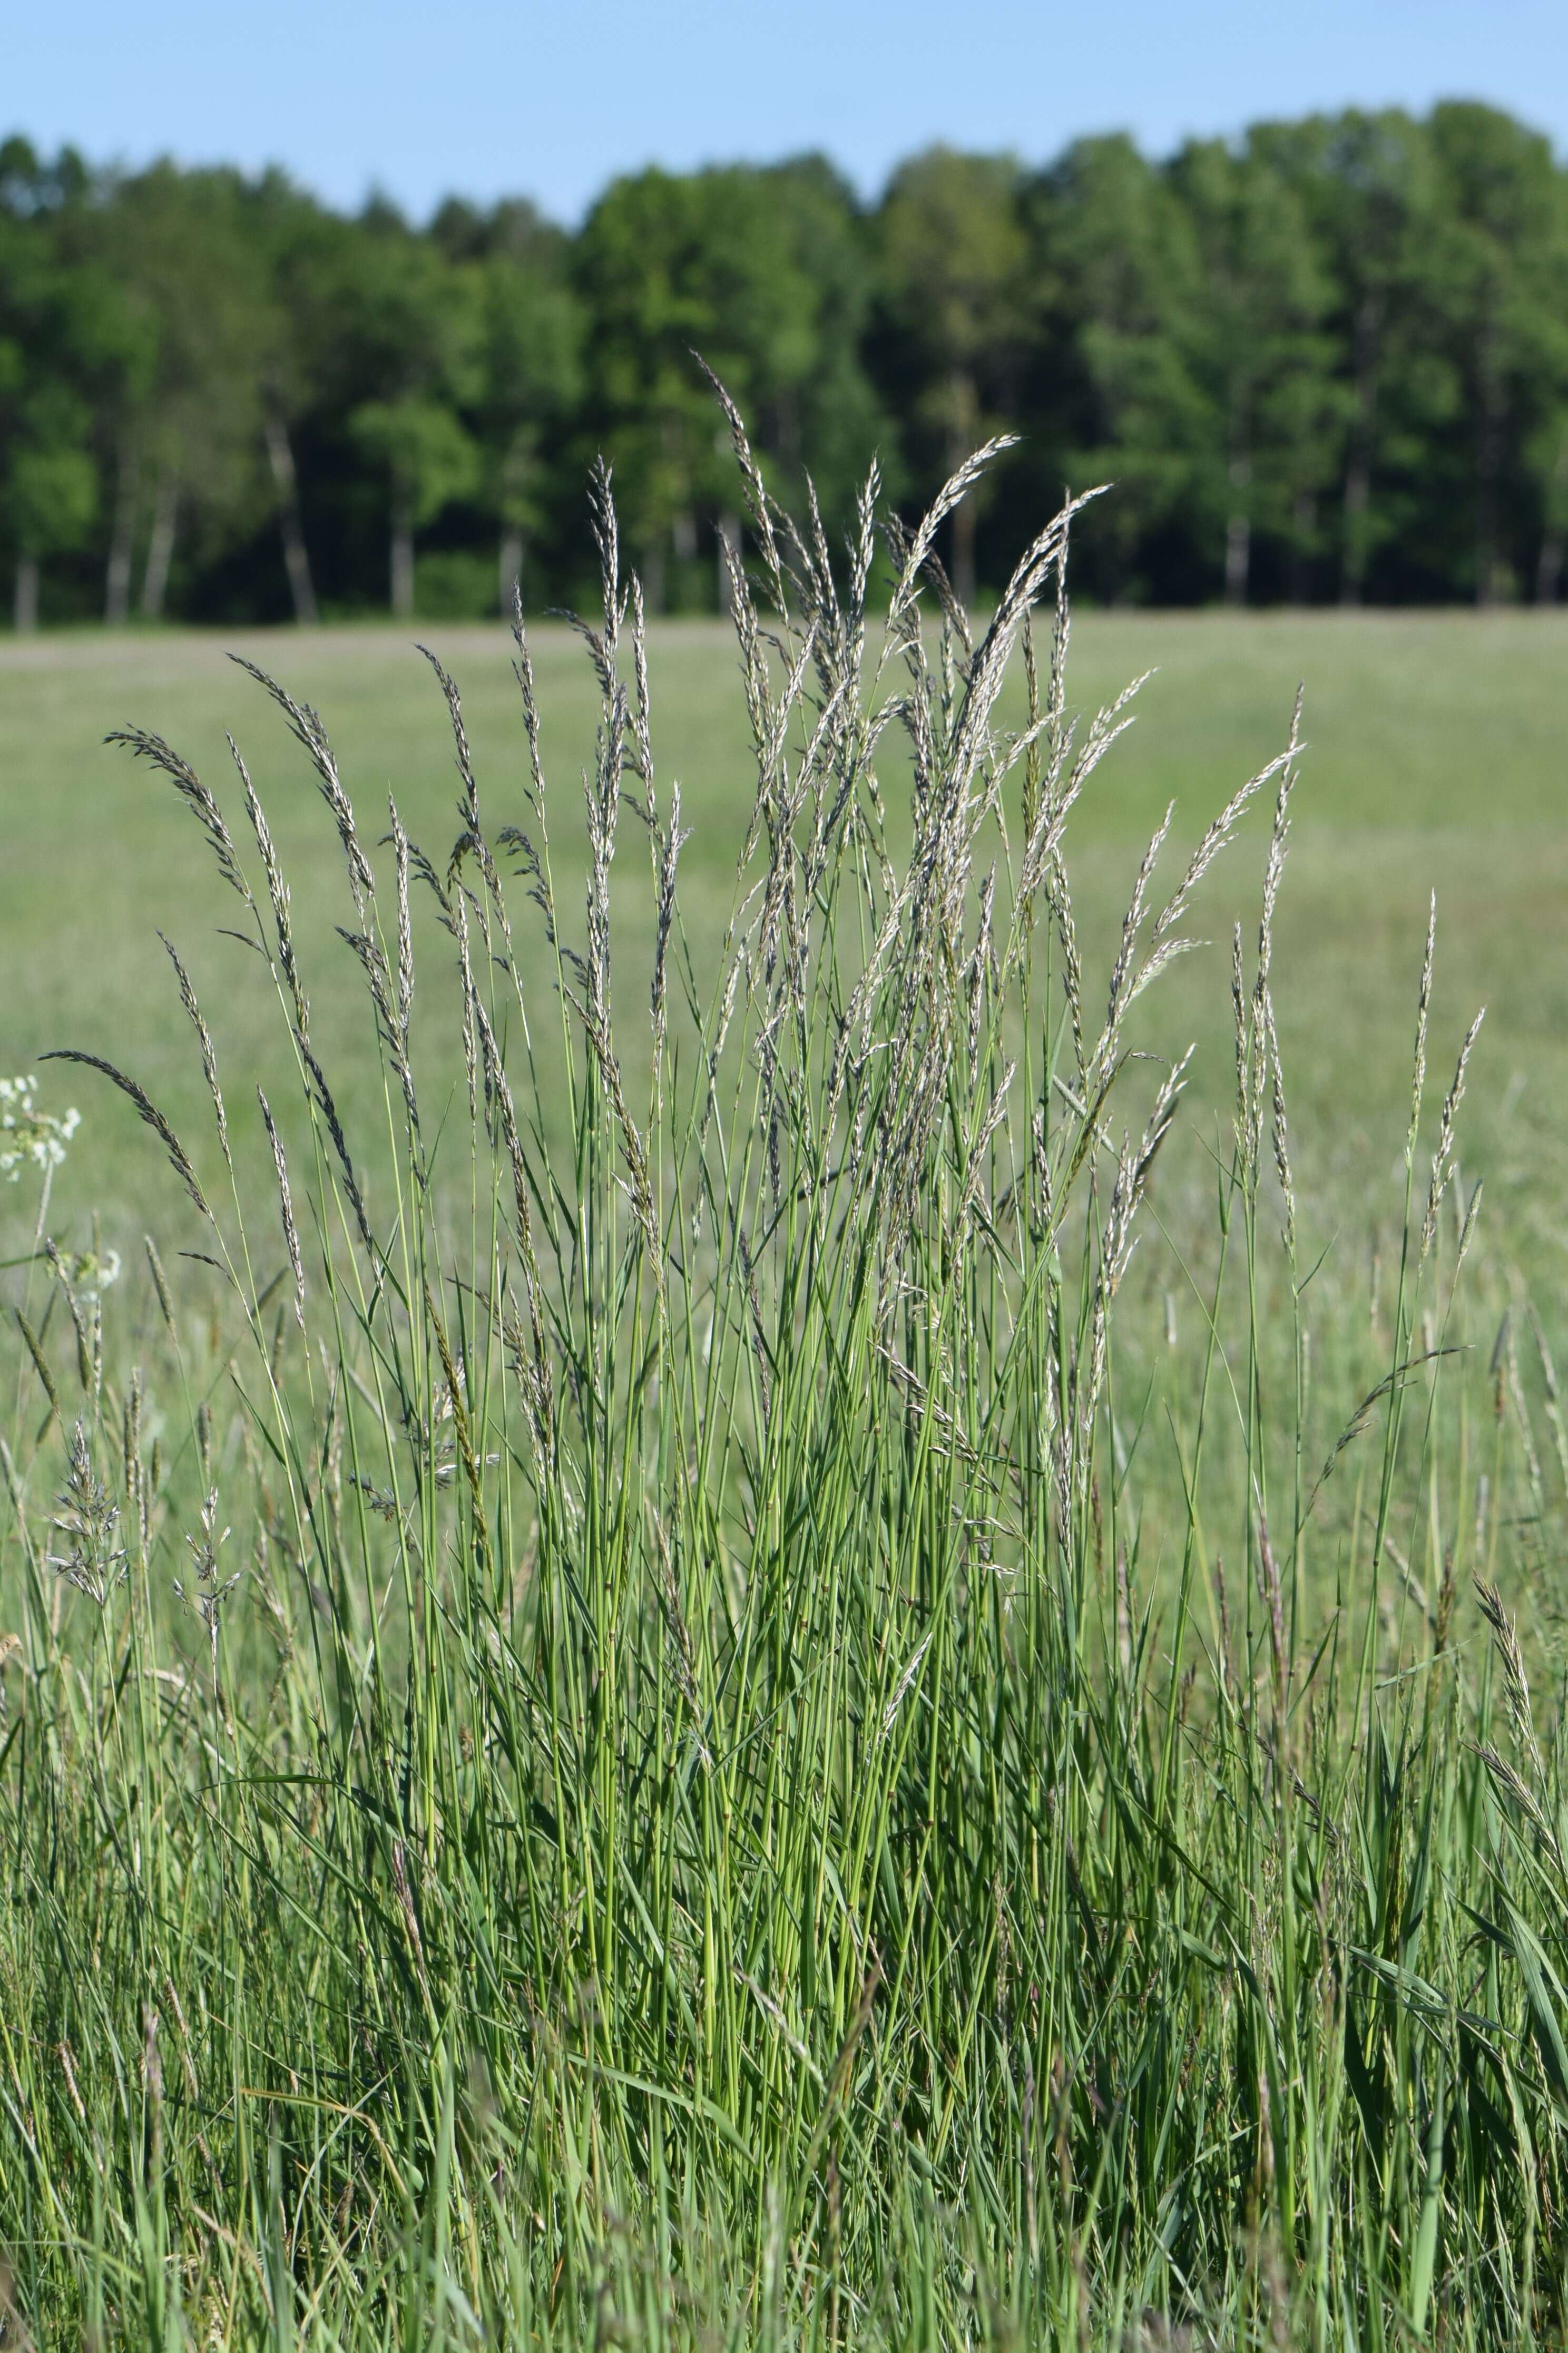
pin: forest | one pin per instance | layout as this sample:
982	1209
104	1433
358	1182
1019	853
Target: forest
1325	363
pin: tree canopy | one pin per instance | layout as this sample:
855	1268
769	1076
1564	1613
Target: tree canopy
1327	360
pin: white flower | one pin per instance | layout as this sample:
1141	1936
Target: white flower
29	1135
90	1271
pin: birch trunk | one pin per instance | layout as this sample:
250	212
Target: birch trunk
510	570
1549	564
161	546
964	431
123	538
1490	423
1238	537
295	559
1305	524
653	574
25	597
1358	459
402	560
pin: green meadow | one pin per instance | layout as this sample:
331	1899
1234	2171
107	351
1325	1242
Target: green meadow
742	1626
1435	762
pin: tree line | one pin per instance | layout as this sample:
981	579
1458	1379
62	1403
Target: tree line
1325	362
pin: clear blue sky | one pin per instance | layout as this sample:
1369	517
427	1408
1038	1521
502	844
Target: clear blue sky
493	97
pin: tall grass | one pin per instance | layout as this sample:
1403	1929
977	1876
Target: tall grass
667	1707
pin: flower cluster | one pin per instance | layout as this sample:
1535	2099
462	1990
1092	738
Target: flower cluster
90	1271
28	1134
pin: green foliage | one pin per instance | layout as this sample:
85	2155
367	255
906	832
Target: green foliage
61	335
1118	278
427	455
53	494
756	270
1324	361
1255	350
953	267
669	1708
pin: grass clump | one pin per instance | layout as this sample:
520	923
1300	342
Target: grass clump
630	1721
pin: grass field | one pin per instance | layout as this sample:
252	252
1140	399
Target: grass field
718	1668
1435	762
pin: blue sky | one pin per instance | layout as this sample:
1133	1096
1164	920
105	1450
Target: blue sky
490	99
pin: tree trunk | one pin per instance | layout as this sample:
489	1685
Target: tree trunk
1352	564
789	427
964	431
1489	464
728	555
25	600
1304	529
161	546
1549	564
122	539
963	551
296	560
402	560
1358	458
1238	537
510	569
653	574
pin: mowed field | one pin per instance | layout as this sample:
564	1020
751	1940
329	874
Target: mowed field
1435	762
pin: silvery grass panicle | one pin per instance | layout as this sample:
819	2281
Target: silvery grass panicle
210	1596
88	1522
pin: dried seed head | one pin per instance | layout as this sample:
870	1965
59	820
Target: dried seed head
290	1233
153	1118
1282	1152
1442	1159
308	733
204	1035
197	797
1278	844
86	1521
1423	1006
1510	1658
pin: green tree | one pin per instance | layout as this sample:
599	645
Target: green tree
182	247
821	417
296	240
1497	280
530	362
1257	346
1109	390
410	323
60	330
1365	182
757	271
952	253
428	459
1547	457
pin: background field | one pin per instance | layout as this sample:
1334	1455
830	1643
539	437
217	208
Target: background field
444	1810
1435	762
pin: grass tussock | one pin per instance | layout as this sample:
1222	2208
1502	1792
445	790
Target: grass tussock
666	1702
